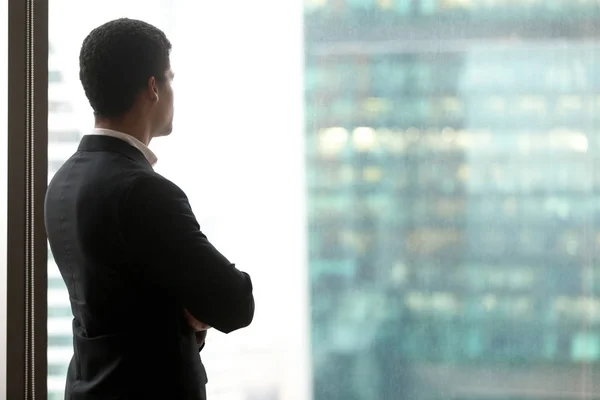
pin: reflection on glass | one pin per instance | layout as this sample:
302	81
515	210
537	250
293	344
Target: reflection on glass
451	151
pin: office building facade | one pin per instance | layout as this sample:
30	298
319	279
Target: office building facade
453	198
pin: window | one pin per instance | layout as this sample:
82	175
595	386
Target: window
422	213
488	154
238	105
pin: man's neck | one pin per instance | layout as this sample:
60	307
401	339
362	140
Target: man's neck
140	133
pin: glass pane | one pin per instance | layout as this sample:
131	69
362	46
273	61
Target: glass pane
452	158
3	184
236	150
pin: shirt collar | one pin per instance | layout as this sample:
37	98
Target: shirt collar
148	154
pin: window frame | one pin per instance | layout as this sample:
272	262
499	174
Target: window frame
26	303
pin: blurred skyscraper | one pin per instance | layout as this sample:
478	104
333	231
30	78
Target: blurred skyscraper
453	199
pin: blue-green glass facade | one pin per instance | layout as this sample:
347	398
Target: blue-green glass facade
454	198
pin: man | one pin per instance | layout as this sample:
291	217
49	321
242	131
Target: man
140	273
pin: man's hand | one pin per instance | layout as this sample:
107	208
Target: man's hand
196	325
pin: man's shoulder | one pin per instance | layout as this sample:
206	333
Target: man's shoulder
100	166
152	185
152	180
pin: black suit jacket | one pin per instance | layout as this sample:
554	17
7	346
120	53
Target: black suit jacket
133	257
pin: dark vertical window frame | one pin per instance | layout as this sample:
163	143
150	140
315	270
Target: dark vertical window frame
27	181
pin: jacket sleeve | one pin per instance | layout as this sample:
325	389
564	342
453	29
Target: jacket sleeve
201	339
162	232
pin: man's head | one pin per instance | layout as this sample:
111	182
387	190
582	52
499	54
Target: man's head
126	75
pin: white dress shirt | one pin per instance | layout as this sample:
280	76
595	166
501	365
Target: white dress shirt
149	154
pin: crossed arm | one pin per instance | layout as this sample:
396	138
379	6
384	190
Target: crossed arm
200	329
160	227
196	325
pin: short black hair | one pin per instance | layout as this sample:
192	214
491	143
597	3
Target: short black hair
116	61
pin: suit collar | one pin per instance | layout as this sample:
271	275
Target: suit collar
91	143
149	154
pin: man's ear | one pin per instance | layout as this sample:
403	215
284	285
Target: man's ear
152	89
